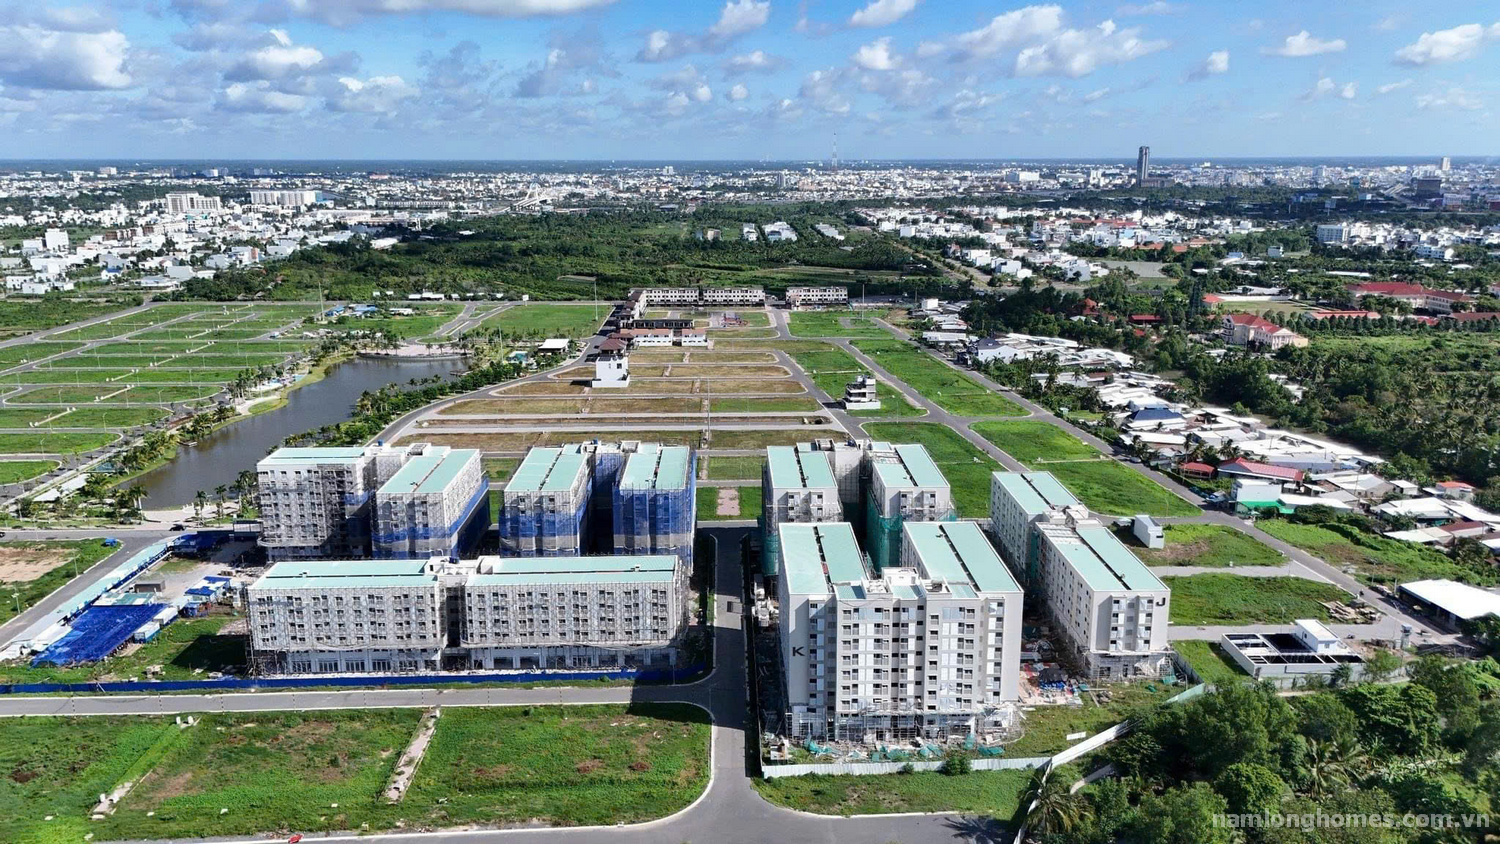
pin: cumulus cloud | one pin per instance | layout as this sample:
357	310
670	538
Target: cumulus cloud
280	59
259	98
1159	7
1447	45
882	12
34	55
342	12
376	95
1456	98
1326	87
741	16
876	55
567	53
735	19
738	93
821	90
755	61
903	88
1305	43
1393	86
1043	46
1216	63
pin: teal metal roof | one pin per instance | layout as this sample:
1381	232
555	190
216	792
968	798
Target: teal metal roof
919	466
344	574
371	582
1051	489
1122	564
817	554
431	472
792	468
656	466
1035	492
959	553
316	454
548	469
537	571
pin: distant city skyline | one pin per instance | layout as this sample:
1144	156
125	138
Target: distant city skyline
600	80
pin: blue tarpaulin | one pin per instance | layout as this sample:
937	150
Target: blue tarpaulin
96	632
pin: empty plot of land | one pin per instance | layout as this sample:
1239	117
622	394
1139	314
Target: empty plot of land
549	319
15	471
53	442
733	468
591	404
945	386
840	323
36	350
695	370
542	388
1209	546
1211	599
21	563
86	416
119	393
1113	488
1033	441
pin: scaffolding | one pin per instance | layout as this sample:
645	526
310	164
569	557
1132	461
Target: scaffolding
546	504
654	505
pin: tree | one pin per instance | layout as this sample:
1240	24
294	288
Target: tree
1327	767
1183	815
1399	719
1323	717
1381	666
200	499
1054	808
220	493
1240	723
1250	788
1456	687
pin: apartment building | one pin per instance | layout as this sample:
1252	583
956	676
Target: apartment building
930	648
905	485
797	486
816	297
687	297
436	505
315	502
545	505
654	505
332	616
1017	499
186	202
574	612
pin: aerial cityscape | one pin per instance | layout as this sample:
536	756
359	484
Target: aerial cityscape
749	422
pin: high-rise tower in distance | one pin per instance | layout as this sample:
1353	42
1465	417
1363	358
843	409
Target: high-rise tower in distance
1142	165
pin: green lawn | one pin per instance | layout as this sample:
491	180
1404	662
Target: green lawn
734	468
1209	661
23	352
950	389
1208	545
56	442
64	559
499	469
708	504
549	319
15	471
1113	488
1375	559
1045	729
962	463
991	793
110	394
832	368
1032	441
831	324
1208	599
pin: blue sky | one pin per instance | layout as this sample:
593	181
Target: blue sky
745	79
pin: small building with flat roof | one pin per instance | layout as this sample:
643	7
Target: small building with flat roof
1281	658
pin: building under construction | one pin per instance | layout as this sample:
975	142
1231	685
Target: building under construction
545	505
655	502
436	505
904	486
1017	501
797	487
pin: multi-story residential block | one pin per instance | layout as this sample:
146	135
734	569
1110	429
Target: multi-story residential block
1017	499
929	648
545	505
286	198
315	502
436	505
654	505
572	612
797	486
331	616
905	485
816	297
186	202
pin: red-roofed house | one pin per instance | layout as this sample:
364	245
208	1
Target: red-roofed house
1193	469
1474	316
1242	468
1251	330
1423	298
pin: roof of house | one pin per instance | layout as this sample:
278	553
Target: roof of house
815	555
1194	466
1241	466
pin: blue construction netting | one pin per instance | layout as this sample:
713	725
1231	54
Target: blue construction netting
536	532
654	521
452	540
96	632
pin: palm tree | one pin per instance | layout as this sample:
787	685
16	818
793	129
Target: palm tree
1054	807
220	493
1327	770
200	498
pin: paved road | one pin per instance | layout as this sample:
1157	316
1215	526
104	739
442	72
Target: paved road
129	544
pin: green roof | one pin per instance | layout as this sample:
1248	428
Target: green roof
656	466
1104	563
1035	492
792	468
913	468
429	473
548	470
959	553
817	554
317	454
536	571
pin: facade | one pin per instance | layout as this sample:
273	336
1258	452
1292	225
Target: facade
1250	330
930	648
612	365
192	203
545	505
285	198
1142	165
707	296
816	297
574	612
332	616
861	394
436	505
315	502
1017	500
905	486
655	502
797	486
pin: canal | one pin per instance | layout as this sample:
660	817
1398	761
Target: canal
223	455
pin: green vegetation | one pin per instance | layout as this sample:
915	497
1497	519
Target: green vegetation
1209	661
1113	488
966	467
39	568
499	469
990	793
734	468
15	471
1209	599
748	498
949	388
61	442
549	319
25	316
834	323
1374	558
186	649
1045	729
1032	441
832	368
1209	545
35	350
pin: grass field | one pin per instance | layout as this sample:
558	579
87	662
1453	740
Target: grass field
831	324
749	498
550	319
832	368
499	469
950	389
1209	661
57	442
1206	599
1032	441
734	468
1209	545
185	649
1374	559
1113	488
15	471
1045	728
110	394
36	350
991	793
65	559
964	465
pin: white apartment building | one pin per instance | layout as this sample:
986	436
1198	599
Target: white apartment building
545	505
574	612
55	240
749	233
701	296
930	648
797	485
1017	499
331	616
436	505
905	486
314	502
779	232
284	198
745	297
186	202
816	297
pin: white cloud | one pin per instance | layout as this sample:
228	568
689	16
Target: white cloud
738	92
1043	46
1323	88
882	12
279	60
260	97
876	55
904	89
1159	7
928	49
1217	63
1305	44
347	11
1452	98
741	16
754	61
1349	90
1447	45
1095	96
820	89
376	95
34	56
1393	86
